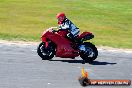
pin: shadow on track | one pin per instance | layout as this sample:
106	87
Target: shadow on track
83	62
102	63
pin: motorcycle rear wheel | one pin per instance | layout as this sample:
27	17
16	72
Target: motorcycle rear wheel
46	53
90	54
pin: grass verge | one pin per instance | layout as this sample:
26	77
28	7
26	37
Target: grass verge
110	21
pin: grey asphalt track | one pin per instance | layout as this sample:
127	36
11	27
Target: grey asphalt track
21	67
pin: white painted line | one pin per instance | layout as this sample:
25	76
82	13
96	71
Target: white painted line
100	48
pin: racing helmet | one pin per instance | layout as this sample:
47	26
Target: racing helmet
61	17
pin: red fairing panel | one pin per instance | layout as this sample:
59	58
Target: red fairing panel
62	33
84	34
64	48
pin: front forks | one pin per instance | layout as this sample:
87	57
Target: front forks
44	39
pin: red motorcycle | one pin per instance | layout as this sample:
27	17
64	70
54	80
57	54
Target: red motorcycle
56	43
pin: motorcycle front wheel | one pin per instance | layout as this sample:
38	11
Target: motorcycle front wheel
90	54
46	53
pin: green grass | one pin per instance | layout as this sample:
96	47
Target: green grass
109	20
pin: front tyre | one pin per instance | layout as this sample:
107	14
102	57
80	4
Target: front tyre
90	53
46	53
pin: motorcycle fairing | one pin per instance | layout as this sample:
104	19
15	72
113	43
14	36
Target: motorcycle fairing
64	48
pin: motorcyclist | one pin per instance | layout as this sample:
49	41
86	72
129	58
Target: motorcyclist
65	24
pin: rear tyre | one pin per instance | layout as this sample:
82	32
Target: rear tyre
90	54
46	53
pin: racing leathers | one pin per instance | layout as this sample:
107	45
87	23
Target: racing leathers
73	30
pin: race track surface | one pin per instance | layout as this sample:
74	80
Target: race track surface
21	67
